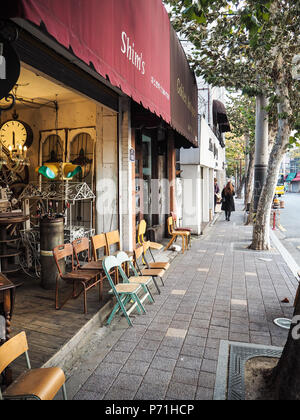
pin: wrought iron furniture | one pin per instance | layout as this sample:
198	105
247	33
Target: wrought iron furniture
40	384
85	279
124	293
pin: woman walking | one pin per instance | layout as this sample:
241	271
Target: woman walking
227	200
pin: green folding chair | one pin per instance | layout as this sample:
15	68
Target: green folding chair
125	293
144	281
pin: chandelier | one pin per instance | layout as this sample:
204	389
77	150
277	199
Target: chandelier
14	159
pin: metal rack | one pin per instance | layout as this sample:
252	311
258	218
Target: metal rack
67	198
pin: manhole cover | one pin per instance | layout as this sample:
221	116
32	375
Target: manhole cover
283	323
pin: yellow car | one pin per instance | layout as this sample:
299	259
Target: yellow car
280	187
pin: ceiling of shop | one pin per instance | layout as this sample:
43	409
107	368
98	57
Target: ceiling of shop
34	86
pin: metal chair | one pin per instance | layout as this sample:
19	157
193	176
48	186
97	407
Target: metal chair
154	264
152	272
124	293
38	384
141	236
80	246
144	281
85	279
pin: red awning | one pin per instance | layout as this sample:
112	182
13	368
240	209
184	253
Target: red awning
297	179
127	44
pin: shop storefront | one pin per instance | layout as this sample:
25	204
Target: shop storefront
94	92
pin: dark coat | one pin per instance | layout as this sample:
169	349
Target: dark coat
228	201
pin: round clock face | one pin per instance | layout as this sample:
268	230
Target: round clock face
15	133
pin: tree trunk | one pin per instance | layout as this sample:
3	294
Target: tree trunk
261	239
285	377
240	187
249	179
261	230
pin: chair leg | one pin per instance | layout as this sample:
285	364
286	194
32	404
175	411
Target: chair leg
162	282
183	244
156	285
170	242
84	299
64	392
136	298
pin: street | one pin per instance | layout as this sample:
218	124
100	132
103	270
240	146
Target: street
289	228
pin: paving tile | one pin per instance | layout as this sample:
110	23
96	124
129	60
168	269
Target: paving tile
185	376
194	351
204	394
177	333
151	392
178	292
157	376
168	352
128	381
207	380
209	366
163	363
181	391
189	362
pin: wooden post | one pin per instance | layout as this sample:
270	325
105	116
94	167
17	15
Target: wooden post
172	170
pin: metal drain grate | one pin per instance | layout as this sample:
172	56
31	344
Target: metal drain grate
239	355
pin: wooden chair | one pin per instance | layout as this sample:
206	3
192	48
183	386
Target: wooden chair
39	384
152	272
141	236
85	279
154	264
175	234
144	281
180	229
113	238
124	293
82	245
99	242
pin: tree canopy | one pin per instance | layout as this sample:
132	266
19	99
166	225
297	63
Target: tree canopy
247	45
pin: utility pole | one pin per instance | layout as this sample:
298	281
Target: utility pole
261	147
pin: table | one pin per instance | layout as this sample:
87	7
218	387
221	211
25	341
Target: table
7	298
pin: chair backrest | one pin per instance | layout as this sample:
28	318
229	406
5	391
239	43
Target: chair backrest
61	252
122	257
99	242
138	252
81	245
141	231
170	224
146	246
12	349
174	217
108	263
113	238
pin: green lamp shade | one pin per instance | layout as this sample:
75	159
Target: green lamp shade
47	172
72	173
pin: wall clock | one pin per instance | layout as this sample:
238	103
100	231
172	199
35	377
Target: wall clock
16	133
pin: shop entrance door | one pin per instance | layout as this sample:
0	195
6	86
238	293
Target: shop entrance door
147	176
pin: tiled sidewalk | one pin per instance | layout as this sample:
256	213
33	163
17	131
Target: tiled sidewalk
219	290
